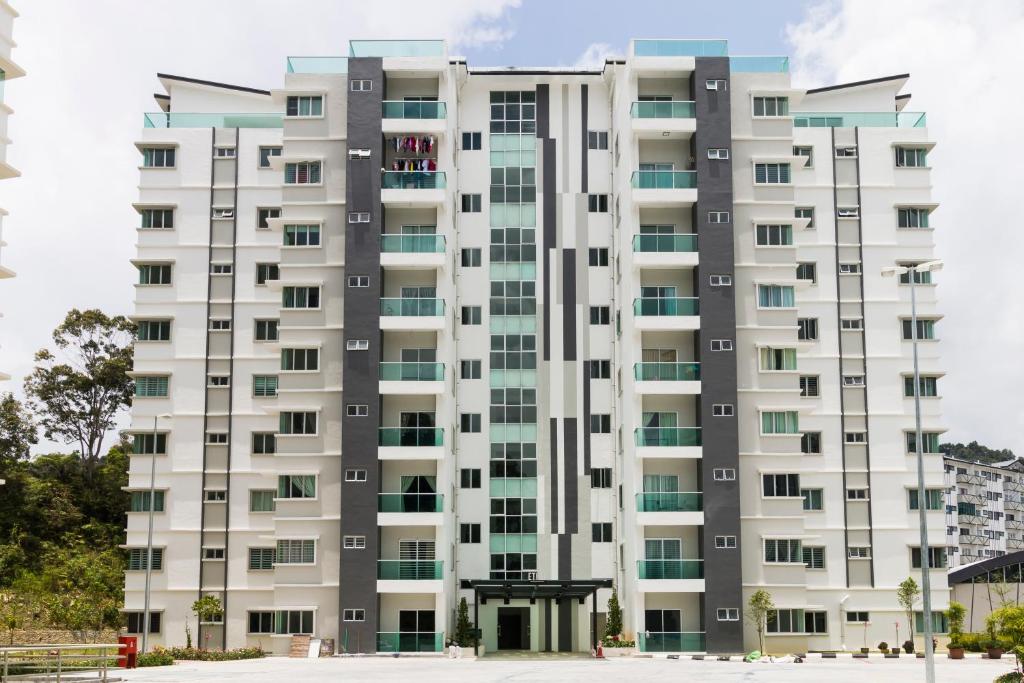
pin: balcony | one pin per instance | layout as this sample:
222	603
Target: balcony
665	251
411	314
410	443
413	252
667	378
413	188
409	509
396	48
410	576
418	379
664	188
759	64
668	509
413	116
317	65
409	642
861	119
656	570
198	120
671	642
659	120
666	313
668	442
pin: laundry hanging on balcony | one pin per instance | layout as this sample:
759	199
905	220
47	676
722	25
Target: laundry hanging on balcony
409	143
414	165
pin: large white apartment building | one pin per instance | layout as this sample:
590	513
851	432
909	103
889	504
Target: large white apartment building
8	70
984	506
426	331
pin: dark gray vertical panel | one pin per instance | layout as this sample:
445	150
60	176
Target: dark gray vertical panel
549	220
722	568
565	611
585	142
571	478
564	556
569	304
586	417
547	625
358	579
543	110
553	460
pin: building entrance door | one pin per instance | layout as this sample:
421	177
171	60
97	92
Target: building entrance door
513	628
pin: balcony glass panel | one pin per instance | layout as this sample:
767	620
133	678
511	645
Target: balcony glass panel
412	307
317	65
670	569
666	372
667	436
412	244
413	109
410	436
409	570
680	48
874	119
396	48
409	642
411	372
759	64
679	109
671	642
410	502
413	180
664	243
668	305
672	501
196	120
664	180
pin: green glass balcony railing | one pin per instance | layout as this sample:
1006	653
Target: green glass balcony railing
412	244
671	642
400	109
412	437
674	501
667	436
864	119
409	642
664	243
680	48
667	305
666	372
410	502
411	372
190	120
409	570
678	109
413	307
664	180
759	64
317	65
670	569
413	180
396	48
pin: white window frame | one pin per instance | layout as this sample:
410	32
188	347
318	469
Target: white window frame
357	345
849	268
360	85
725	542
724	474
355	475
848	212
722	344
719	217
853	381
357	410
719	84
358	216
353	614
852	438
353	542
721	280
718	153
728	613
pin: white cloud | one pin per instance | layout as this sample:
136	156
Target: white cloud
964	63
595	54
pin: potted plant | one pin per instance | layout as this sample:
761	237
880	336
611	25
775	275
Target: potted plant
865	650
883	647
955	649
895	651
994	649
955	615
908	647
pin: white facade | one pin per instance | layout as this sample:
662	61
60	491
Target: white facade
984	509
8	70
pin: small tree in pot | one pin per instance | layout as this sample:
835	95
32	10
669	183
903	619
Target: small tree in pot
907	594
955	615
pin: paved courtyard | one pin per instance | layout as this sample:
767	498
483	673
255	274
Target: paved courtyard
432	670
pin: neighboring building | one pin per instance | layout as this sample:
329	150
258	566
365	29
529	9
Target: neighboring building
8	70
430	331
985	586
984	509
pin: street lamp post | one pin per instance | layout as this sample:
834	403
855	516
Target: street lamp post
926	584
149	537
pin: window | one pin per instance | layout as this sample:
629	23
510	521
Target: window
927	386
218	380
292	622
266	330
224	152
600	315
296	551
597	139
469	423
925	329
858	617
807	329
220	325
855	437
780	485
809	386
300	297
859	552
137	558
357	410
469	533
779	422
217	438
716	84
302	173
810	443
846	152
357	345
363	85
153	386
358	281
720	153
471	258
771	106
721	280
471	141
136	621
471	203
776	360
724	474
807	271
298	423
304	105
302	235
600	477
723	410
728	613
215	496
725	542
358	216
154	273
600	369
261	500
153	330
157	218
355	476
140	501
601	532
266	272
261	622
812	499
598	256
815	622
721	344
597	203
936	558
940	624
213	553
469	369
774	235
921	277
158	157
220	269
149	444
471	315
805	212
856	494
775	296
771	174
264	215
264	386
299	360
718	217
354	542
848	212
353	615
807	152
929	441
851	324
849	269
912	218
853	381
911	157
266	152
783	550
933	499
470	478
814	557
601	424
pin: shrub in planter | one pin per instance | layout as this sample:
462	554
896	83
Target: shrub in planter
895	651
865	650
955	649
908	647
1011	677
883	647
994	649
158	657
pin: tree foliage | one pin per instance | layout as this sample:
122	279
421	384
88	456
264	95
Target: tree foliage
760	608
975	452
613	626
463	626
79	389
17	431
1008	624
906	595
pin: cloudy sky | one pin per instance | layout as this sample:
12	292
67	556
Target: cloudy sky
92	67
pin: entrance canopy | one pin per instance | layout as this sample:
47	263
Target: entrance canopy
533	589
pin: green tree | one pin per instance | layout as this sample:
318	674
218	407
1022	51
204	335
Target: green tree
975	452
207	609
17	431
906	595
82	586
613	626
19	605
463	627
79	395
760	608
1008	624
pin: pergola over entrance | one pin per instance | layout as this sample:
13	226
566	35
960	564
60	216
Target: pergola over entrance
533	590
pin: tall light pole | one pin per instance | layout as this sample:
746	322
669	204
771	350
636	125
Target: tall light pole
926	583
149	537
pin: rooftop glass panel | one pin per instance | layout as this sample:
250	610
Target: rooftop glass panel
680	48
396	48
318	65
210	120
767	64
867	119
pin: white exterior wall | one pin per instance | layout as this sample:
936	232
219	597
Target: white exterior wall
8	70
